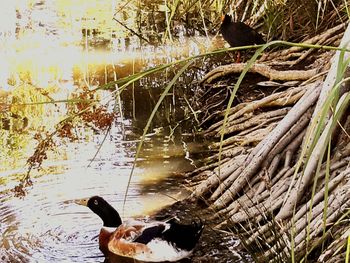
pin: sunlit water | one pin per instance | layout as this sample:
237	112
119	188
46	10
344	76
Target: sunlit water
46	226
37	51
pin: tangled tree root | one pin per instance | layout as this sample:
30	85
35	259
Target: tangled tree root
261	69
295	55
274	178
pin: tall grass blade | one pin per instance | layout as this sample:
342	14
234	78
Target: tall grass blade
347	257
328	164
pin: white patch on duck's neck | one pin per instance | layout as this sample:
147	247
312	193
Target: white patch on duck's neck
109	229
161	250
167	227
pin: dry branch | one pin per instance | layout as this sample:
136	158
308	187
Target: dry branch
244	111
218	175
262	69
309	170
285	55
274	177
264	118
255	159
334	248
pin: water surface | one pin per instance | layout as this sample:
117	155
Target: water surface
50	51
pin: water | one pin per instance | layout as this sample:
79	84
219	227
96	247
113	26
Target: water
40	56
46	226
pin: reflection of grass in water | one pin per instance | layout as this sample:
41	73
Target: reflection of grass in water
13	149
16	141
163	95
26	94
27	122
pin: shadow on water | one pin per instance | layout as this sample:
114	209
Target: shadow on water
44	63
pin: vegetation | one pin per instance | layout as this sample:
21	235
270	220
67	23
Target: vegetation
279	175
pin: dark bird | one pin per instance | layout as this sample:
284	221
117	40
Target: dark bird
239	34
154	241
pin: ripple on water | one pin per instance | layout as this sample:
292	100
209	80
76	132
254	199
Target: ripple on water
39	233
47	226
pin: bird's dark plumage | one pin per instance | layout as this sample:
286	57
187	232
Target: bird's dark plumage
150	233
239	34
105	211
176	233
155	241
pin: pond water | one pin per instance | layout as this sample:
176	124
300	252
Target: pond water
47	226
49	54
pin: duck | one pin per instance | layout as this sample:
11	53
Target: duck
143	240
238	33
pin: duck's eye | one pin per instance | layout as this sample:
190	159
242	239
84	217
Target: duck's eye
95	202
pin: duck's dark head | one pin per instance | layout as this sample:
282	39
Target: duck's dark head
104	210
226	19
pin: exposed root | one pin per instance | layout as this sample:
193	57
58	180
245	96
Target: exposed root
293	177
283	57
262	69
244	111
242	124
